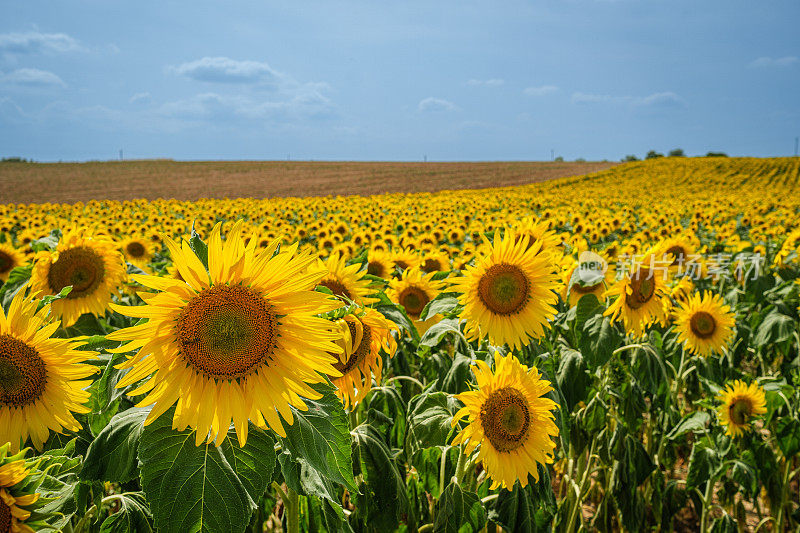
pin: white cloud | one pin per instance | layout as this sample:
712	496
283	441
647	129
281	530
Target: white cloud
140	97
665	99
493	82
226	70
35	42
770	62
432	104
540	91
206	106
33	77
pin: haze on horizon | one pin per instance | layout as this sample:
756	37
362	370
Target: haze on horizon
356	80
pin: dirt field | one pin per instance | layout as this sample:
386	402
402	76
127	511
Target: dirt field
127	180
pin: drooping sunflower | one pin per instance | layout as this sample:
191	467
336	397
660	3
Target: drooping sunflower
510	420
346	281
509	293
639	299
240	341
361	341
92	266
705	323
15	496
138	251
10	258
413	291
42	379
740	403
379	263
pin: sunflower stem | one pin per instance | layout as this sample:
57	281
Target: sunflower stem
293	508
784	493
461	466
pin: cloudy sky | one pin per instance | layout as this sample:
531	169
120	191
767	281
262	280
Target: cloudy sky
376	80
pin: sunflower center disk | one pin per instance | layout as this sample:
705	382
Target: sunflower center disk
135	249
80	267
739	411
23	374
506	419
337	288
414	300
5	262
585	289
643	286
5	517
227	332
703	324
504	289
678	253
359	353
375	268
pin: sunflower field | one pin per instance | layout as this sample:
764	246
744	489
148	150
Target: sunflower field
618	351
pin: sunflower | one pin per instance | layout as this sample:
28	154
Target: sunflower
539	232
15	478
510	420
345	281
41	378
740	403
435	262
137	251
92	266
10	258
705	323
239	341
379	263
639	298
405	258
589	280
413	291
361	341
678	250
509	293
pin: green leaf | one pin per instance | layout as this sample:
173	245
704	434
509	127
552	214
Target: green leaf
305	479
441	305
133	515
526	510
572	377
458	376
398	315
190	488
702	463
321	436
113	455
587	307
599	340
788	435
49	243
695	421
437	332
429	420
199	247
255	462
456	508
774	329
17	279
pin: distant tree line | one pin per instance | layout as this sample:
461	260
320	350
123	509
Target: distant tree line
677	152
15	160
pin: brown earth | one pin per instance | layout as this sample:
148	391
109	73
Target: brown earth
151	179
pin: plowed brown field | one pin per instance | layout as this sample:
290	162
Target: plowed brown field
151	179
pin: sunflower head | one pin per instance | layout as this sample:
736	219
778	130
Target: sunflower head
10	258
237	340
511	421
509	293
380	264
91	266
639	298
364	334
346	281
413	291
739	404
138	251
42	379
705	323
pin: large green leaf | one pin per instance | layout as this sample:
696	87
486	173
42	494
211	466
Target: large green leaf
599	340
573	380
695	421
255	462
774	329
321	436
526	510
198	488
113	455
457	508
429	420
133	515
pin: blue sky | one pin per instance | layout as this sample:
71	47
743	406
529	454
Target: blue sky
377	80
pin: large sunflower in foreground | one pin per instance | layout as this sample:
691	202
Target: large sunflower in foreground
42	379
740	403
510	419
413	291
346	281
639	298
705	323
92	266
361	342
237	342
16	497
10	258
509	293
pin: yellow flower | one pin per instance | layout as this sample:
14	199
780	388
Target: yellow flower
361	341
13	496
346	281
639	298
237	342
509	294
705	323
740	403
10	258
510	419
413	291
92	266
42	379
380	264
138	251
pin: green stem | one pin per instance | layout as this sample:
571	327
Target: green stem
461	466
293	518
706	502
784	493
407	378
425	529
